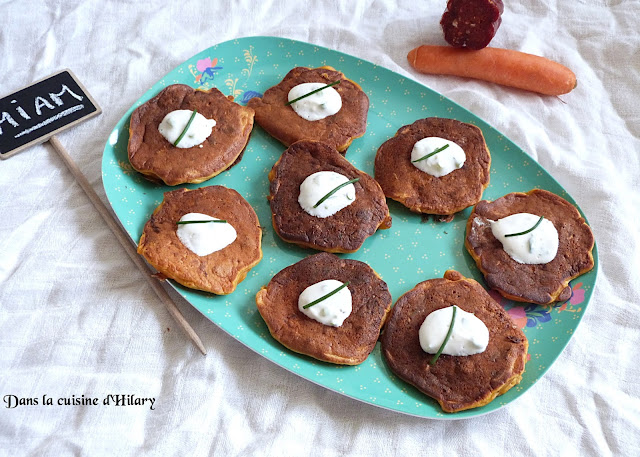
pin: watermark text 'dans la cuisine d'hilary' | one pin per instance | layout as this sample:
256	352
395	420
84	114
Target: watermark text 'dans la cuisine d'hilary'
14	401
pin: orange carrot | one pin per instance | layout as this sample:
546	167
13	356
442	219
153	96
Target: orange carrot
500	66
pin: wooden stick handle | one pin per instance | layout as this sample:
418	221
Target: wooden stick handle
124	240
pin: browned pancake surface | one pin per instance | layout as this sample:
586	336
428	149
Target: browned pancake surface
338	130
542	284
348	344
219	272
152	155
457	383
421	192
346	230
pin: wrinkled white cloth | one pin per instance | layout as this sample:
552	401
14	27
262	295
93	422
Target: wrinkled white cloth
76	318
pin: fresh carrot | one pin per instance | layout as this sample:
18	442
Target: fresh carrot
500	66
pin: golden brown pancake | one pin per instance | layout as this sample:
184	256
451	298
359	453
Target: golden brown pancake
456	382
346	230
542	284
419	191
153	156
285	125
349	344
219	272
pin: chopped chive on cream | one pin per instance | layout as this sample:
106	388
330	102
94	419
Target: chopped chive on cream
336	189
200	222
440	149
312	92
526	231
446	338
324	297
186	127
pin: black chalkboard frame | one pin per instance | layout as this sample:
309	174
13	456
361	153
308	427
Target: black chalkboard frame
92	110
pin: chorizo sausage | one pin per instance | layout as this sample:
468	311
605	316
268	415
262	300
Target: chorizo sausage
471	24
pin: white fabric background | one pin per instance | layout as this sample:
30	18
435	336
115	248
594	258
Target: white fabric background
77	318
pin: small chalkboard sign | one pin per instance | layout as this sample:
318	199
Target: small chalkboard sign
35	113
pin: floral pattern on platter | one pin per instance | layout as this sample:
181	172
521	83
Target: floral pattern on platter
577	297
204	70
531	315
241	95
248	95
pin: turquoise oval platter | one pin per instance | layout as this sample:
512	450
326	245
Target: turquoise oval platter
411	251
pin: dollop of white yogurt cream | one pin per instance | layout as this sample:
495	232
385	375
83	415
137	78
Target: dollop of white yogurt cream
536	247
324	103
330	311
319	184
205	238
442	163
469	336
174	123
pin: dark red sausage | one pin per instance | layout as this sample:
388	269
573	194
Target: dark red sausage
471	24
